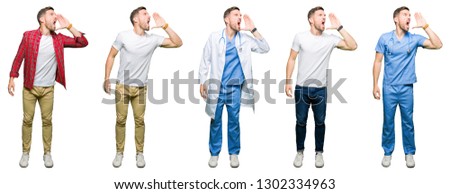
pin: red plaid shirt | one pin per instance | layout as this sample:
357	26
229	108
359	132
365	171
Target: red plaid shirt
29	50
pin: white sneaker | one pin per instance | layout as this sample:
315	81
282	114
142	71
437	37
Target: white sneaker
386	162
117	162
319	160
234	161
24	160
140	162
48	162
298	162
410	161
213	161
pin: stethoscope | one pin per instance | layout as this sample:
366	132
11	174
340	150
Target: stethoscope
223	40
392	39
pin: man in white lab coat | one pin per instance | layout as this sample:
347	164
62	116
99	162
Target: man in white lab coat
226	57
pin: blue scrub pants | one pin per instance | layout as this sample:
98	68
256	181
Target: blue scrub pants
401	95
304	98
231	97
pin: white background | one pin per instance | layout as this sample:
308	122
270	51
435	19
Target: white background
177	134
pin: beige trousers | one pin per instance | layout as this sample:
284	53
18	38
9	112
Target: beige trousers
124	95
44	95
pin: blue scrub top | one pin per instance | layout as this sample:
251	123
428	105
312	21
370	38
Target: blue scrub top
399	57
232	73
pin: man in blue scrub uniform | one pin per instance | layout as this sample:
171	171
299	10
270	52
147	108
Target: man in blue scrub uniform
226	57
399	49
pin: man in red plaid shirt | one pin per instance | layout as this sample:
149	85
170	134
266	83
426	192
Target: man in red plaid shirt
43	52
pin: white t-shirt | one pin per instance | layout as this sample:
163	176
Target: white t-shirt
46	63
313	57
135	56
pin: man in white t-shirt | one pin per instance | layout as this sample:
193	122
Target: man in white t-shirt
313	48
136	49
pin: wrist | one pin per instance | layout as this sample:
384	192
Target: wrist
253	30
164	27
340	28
289	81
69	27
425	26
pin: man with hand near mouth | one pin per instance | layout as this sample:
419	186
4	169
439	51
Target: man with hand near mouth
43	52
227	58
136	49
313	49
399	48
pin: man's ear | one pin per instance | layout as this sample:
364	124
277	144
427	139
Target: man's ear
310	20
41	19
226	20
396	19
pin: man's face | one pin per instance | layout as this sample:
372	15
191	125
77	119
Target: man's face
143	20
49	20
318	20
403	19
234	20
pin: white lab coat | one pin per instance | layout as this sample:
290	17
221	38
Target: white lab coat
213	62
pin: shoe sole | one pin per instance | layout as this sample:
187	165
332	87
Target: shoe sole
140	166
211	166
319	166
23	166
298	166
234	166
116	166
48	166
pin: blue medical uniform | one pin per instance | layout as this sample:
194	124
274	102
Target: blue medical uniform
230	95
398	80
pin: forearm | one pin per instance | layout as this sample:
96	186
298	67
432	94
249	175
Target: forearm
289	69
74	32
108	67
348	39
257	35
435	40
376	73
173	36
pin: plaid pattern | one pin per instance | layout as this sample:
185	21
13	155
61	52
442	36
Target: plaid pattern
29	50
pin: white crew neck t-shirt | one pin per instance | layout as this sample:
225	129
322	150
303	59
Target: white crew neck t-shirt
135	55
46	63
313	57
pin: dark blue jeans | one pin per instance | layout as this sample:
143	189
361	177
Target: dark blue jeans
304	98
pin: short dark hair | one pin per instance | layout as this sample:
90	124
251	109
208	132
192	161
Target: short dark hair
313	10
135	12
229	10
398	10
42	12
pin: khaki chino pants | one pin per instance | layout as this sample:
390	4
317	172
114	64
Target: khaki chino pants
43	95
124	95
